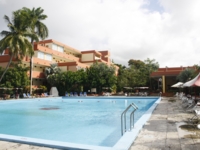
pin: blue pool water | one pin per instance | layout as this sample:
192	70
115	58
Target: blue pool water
92	121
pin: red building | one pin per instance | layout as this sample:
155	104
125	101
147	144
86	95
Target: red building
166	77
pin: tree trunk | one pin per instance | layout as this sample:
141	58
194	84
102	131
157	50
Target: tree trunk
31	69
11	57
31	66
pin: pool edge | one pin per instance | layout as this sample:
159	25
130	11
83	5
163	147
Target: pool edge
124	143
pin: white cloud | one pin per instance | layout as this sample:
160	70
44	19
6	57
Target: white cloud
125	27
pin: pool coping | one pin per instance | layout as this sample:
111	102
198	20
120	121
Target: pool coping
123	143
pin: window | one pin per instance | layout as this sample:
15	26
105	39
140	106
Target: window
60	49
40	55
54	47
48	57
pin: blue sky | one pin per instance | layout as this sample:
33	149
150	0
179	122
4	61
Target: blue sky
165	30
153	6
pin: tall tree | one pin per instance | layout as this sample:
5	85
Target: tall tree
35	17
186	75
122	80
51	74
151	66
100	75
136	63
16	76
15	40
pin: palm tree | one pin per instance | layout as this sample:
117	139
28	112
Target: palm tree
15	40
51	73
35	16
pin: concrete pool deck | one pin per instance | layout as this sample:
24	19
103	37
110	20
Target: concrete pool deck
161	132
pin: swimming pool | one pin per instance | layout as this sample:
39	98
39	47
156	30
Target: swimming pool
82	121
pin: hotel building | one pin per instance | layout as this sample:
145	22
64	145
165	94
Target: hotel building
48	52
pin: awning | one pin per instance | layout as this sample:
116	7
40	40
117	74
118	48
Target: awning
141	87
177	85
193	82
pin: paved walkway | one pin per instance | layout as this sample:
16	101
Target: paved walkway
161	132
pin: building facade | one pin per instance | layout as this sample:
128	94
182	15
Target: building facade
166	77
48	52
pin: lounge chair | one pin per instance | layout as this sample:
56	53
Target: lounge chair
25	96
67	94
71	94
193	108
196	116
75	94
29	95
81	94
84	94
188	102
47	95
176	95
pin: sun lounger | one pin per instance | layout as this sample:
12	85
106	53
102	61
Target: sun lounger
29	95
196	116
67	94
46	94
75	94
26	96
193	108
81	94
71	94
84	94
188	102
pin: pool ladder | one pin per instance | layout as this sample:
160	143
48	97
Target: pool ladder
123	118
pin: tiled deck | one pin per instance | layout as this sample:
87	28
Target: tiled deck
161	132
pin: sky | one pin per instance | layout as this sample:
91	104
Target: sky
165	30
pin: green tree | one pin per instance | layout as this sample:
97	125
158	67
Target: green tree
15	78
136	74
15	40
51	74
151	66
35	17
136	63
186	75
100	75
122	78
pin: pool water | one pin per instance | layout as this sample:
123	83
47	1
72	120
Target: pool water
84	121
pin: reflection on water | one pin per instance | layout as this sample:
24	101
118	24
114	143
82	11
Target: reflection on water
49	108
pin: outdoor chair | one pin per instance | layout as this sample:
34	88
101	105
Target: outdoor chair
71	94
47	95
75	94
25	96
81	94
84	94
189	103
176	95
193	108
67	94
196	116
29	95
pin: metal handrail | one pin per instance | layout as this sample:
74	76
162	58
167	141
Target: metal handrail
131	117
